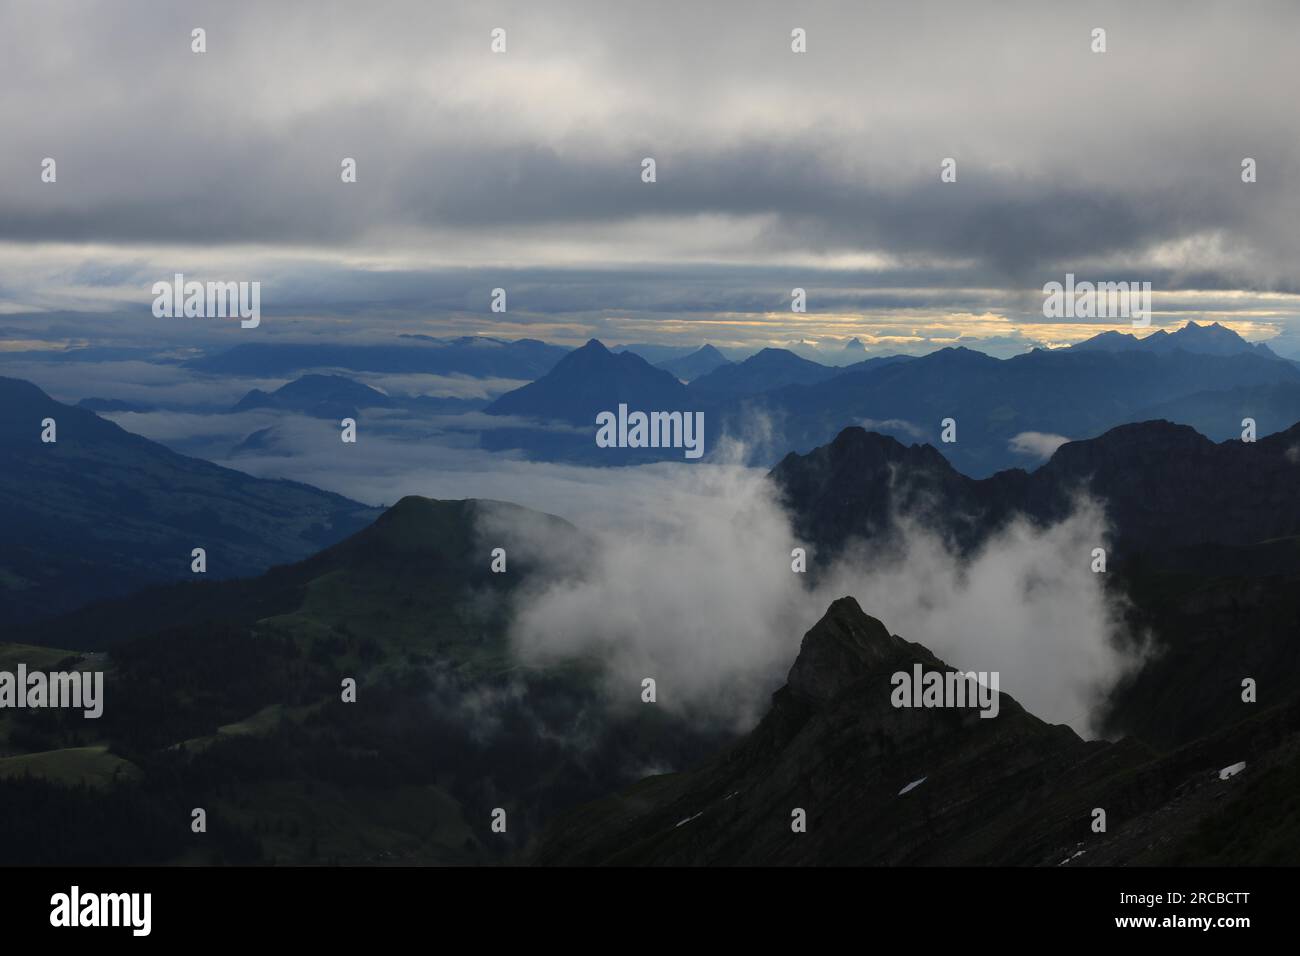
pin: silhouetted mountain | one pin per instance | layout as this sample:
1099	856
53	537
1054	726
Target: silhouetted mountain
320	396
590	380
1212	339
1076	394
101	512
1165	488
762	372
857	486
1205	552
877	362
480	357
700	362
994	402
884	785
586	382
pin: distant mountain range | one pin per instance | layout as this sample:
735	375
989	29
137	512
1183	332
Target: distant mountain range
102	512
1212	339
1205	376
1067	393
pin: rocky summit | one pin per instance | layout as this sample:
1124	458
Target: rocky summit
880	785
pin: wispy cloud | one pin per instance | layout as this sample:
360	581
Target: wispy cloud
1036	444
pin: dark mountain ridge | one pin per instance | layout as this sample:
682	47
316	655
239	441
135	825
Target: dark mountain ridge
231	689
1164	488
883	785
102	512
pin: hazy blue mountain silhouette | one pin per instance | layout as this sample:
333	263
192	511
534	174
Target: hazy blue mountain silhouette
1212	339
1071	393
320	396
102	511
586	382
1075	394
700	362
762	372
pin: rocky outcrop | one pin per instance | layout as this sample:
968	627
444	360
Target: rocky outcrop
882	785
1166	490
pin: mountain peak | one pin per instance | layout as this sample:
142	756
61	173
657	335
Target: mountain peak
696	364
773	354
319	395
844	646
766	369
589	380
1212	339
860	449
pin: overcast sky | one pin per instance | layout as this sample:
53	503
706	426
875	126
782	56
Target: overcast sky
523	169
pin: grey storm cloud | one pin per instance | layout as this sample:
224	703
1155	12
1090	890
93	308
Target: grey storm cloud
1063	155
